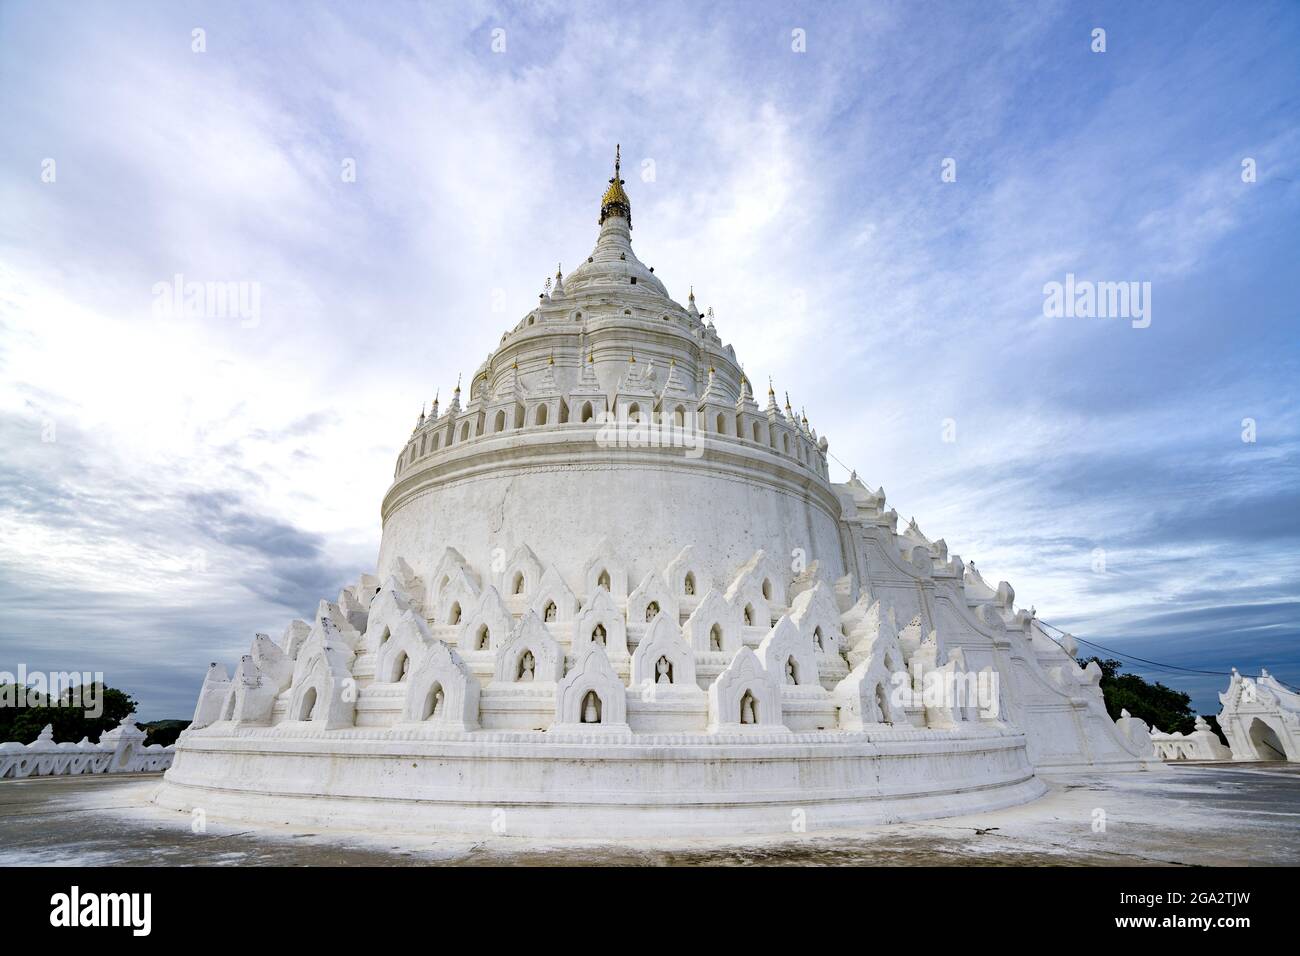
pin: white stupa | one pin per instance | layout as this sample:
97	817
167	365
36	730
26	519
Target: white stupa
615	597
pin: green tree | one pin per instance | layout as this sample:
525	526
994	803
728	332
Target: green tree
1158	705
70	723
163	732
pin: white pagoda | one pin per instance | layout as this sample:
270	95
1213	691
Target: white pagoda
616	597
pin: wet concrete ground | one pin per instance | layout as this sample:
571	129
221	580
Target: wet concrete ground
1182	815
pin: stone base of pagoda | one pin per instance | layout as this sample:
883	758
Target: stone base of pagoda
575	786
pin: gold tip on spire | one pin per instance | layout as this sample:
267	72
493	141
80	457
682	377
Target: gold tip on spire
615	201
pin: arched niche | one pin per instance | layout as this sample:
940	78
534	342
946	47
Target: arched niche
745	698
489	621
789	655
386	609
686	578
410	641
601	612
714	626
663	641
530	636
864	699
554	602
520	577
441	692
605	570
816	615
591	674
650	592
449	562
763	578
324	691
459	595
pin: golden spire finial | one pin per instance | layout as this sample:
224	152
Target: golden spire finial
552	359
632	359
771	392
458	383
591	356
615	201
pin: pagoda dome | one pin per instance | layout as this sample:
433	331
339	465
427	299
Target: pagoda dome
613	266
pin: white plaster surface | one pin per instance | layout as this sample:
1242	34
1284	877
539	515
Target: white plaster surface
1201	744
1179	815
517	510
1261	718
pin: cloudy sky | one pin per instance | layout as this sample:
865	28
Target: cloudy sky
170	485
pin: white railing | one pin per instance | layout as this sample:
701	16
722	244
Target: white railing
120	750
